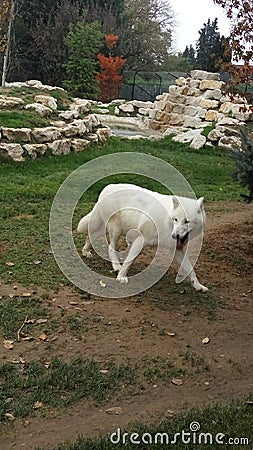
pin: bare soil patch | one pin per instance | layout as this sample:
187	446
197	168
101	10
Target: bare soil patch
169	321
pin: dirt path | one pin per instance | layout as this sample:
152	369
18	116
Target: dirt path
226	266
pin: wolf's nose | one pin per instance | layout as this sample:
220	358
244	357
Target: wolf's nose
175	236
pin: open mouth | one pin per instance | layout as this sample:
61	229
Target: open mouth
182	241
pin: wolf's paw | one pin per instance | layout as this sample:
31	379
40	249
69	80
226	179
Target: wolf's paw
86	253
121	279
116	267
200	288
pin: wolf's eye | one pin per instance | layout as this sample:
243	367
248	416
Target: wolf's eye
175	219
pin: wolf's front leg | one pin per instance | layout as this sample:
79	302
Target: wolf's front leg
183	261
134	251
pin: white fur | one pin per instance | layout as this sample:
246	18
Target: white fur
142	215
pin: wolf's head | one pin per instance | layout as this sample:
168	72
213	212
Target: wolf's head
188	218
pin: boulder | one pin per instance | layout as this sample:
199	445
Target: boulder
79	145
10	102
192	122
214	135
127	107
210	84
188	136
208	104
19	134
230	142
203	75
198	142
60	147
46	134
69	115
46	100
81	105
14	151
35	150
40	109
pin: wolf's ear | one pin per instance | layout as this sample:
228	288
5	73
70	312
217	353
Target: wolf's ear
175	202
200	202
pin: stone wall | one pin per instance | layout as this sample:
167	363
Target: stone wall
67	131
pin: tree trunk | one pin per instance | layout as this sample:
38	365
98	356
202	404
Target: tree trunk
8	43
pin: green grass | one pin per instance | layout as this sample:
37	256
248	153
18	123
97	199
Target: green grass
22	119
27	190
62	384
234	421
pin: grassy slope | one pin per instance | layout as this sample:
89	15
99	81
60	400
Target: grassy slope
27	190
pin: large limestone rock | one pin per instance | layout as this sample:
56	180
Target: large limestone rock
17	134
203	75
210	84
46	134
10	102
60	147
198	142
40	109
35	150
14	151
81	105
46	100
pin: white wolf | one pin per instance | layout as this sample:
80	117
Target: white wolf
145	218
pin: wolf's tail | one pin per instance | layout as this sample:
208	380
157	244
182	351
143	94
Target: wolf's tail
83	224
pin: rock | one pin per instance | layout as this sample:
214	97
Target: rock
46	134
178	109
214	135
60	147
81	105
203	75
20	134
103	134
15	151
145	105
227	121
81	126
176	119
46	100
126	107
35	150
192	122
212	94
198	142
210	84
208	104
69	115
35	83
188	136
10	102
40	109
211	115
230	142
79	145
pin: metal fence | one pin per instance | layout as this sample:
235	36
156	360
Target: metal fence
146	86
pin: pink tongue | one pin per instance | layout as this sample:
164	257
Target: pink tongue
179	245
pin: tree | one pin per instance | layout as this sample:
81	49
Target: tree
4	12
109	78
244	163
240	12
210	47
189	54
84	41
10	15
147	33
49	40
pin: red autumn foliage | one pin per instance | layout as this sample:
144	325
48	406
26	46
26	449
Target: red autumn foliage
240	12
109	78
